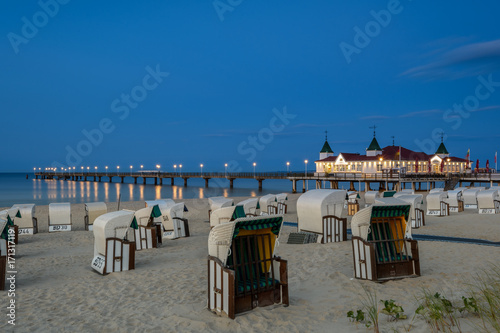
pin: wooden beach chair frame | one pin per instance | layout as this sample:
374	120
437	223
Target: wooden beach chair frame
387	254
256	278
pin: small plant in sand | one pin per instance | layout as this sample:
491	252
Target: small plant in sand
438	311
393	310
368	315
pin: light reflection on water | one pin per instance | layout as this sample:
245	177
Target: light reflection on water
14	188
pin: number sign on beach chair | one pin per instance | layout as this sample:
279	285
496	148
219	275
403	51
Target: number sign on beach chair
382	245
92	211
437	205
243	272
320	212
27	223
59	217
113	252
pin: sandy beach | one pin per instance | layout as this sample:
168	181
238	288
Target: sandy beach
57	290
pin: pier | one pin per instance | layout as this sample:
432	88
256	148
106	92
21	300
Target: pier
365	181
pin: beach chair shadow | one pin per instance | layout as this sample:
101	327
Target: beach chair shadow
382	245
243	272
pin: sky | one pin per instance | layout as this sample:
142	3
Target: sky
121	83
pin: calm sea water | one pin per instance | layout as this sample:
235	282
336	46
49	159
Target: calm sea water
15	188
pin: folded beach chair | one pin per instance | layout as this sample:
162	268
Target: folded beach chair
382	245
219	202
3	251
437	205
370	197
243	271
27	224
320	212
174	223
455	201
146	235
92	211
113	252
60	217
488	202
470	197
250	206
12	229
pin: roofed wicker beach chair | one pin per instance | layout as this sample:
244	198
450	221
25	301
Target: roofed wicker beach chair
370	197
174	223
382	245
437	205
147	233
113	252
60	217
27	223
436	190
281	199
226	214
488	202
219	202
320	212
470	197
10	215
455	201
243	272
268	204
250	206
415	201
92	211
406	191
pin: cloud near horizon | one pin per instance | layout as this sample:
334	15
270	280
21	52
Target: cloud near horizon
466	60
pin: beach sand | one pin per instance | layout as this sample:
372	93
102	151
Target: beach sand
57	290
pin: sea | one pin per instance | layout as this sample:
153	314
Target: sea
18	188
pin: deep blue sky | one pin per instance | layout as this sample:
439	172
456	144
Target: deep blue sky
227	76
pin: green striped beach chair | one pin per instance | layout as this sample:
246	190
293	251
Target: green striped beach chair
243	272
382	245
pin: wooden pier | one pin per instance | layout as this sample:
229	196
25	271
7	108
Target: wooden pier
365	181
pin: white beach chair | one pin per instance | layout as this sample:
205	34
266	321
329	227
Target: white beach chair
243	271
488	202
219	202
281	199
436	190
268	204
92	211
250	206
113	252
470	197
382	245
174	223
416	216
223	215
437	205
351	203
60	217
27	223
320	212
455	200
370	197
147	233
